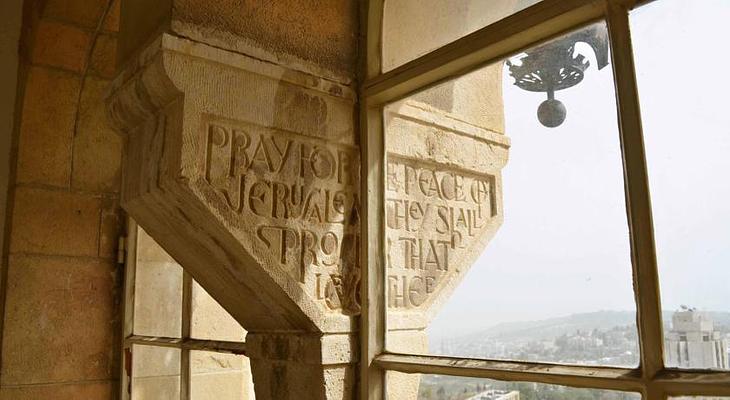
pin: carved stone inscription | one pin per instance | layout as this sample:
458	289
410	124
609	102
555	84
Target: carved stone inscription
434	213
297	197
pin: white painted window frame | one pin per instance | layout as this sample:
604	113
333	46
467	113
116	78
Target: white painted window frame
542	21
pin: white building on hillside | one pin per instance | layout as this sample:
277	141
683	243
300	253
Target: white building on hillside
496	395
694	343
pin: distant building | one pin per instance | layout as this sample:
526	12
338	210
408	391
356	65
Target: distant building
496	395
694	343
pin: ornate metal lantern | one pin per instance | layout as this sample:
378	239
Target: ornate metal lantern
553	66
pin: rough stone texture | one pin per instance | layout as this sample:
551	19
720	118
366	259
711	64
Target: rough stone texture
294	133
249	178
306	366
324	34
103	59
442	206
61	320
61	45
62	391
76	12
210	321
47	123
217	376
404	38
319	38
95	141
55	223
61	307
155	373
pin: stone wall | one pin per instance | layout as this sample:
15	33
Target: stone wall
63	289
61	319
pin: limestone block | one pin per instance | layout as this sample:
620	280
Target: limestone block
59	308
405	386
55	223
63	391
402	386
156	388
218	376
155	373
210	321
60	45
404	38
46	130
97	151
111	23
321	40
443	205
158	291
104	57
248	174
85	13
152	361
296	366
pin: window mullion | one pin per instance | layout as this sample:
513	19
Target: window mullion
130	267
185	334
596	377
638	202
372	328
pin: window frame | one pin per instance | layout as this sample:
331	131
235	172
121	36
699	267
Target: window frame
185	343
538	23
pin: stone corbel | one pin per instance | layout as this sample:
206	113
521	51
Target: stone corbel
247	174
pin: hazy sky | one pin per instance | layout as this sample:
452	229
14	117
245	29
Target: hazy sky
564	246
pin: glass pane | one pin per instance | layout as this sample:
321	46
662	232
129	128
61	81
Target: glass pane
686	123
210	321
507	238
157	290
155	373
443	387
219	376
404	36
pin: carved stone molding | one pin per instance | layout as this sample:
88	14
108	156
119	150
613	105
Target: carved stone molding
443	199
246	173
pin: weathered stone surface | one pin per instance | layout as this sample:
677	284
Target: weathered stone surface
405	39
155	373
55	223
103	58
249	177
158	291
319	39
97	149
311	366
46	130
210	321
60	320
61	326
247	173
61	391
61	45
85	13
218	376
443	205
111	22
